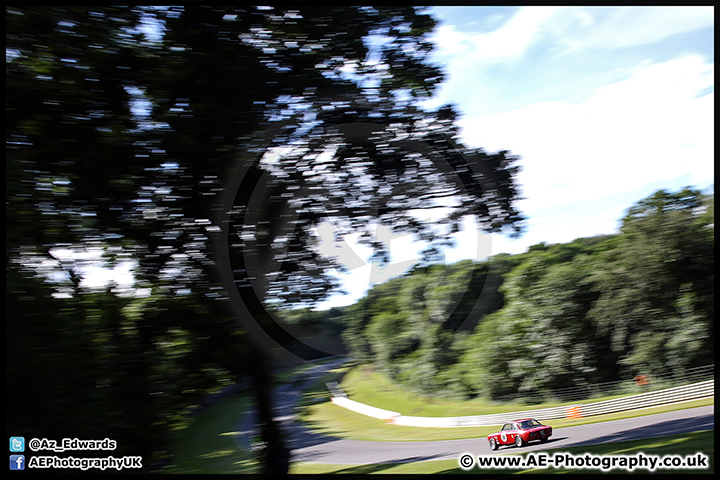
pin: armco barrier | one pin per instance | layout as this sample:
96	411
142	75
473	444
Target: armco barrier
364	409
643	400
336	390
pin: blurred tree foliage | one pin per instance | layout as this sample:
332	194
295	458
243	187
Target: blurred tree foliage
542	339
593	310
657	286
121	123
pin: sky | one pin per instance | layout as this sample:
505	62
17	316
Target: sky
604	105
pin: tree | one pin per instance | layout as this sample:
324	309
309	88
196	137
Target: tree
122	123
100	365
413	328
657	286
543	338
71	167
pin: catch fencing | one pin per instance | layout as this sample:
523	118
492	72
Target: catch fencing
629	386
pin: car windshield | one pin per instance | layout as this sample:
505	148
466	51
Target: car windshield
530	423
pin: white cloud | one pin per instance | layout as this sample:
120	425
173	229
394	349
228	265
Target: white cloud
648	128
514	38
511	40
616	27
449	41
574	28
545	53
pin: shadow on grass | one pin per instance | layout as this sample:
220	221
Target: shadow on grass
379	467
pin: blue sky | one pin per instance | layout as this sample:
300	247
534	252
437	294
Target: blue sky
605	105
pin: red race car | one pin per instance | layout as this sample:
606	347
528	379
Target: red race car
520	432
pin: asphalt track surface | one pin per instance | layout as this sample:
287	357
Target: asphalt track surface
307	446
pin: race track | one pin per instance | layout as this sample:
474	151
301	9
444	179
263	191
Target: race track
310	447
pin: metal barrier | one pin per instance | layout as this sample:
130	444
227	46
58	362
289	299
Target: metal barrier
644	400
336	390
366	410
639	384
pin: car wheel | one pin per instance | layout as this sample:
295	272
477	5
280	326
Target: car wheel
493	444
543	440
519	441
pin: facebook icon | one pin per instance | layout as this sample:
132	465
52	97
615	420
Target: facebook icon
17	462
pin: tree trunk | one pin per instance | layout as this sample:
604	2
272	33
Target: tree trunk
274	456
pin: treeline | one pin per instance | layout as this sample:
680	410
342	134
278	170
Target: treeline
593	310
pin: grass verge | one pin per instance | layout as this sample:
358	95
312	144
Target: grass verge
207	445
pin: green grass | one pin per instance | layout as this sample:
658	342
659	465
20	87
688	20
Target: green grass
295	373
687	444
365	385
317	392
207	445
